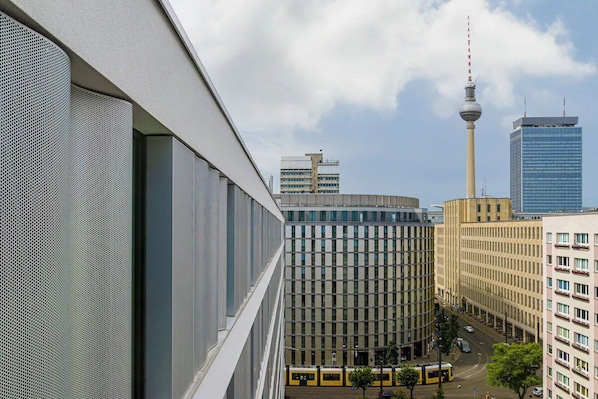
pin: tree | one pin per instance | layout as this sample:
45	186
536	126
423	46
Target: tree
362	378
446	333
392	353
515	366
439	394
408	376
446	329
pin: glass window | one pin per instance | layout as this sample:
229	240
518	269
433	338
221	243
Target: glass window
549	281
562	238
581	265
563	309
333	216
581	238
549	304
562	261
549	238
549	259
562	285
582	290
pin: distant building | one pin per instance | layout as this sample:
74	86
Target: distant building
490	266
309	174
546	164
359	275
570	305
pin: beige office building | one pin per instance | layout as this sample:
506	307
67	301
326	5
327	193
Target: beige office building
491	266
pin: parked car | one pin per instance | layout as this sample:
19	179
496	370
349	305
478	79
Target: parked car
538	391
469	329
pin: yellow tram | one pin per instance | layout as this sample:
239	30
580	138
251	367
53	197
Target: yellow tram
318	376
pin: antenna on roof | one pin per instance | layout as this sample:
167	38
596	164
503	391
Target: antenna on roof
564	107
524	107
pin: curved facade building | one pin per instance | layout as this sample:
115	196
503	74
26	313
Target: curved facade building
140	250
359	275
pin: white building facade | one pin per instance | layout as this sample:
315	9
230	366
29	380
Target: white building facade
141	251
309	174
571	306
359	275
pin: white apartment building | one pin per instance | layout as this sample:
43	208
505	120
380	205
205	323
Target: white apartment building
359	274
571	306
309	174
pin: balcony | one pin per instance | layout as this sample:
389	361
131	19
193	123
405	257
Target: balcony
562	363
561	339
562	386
582	322
562	316
582	272
561	269
562	293
581	372
581	297
582	348
561	245
582	247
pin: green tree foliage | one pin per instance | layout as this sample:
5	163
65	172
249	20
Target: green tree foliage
392	353
514	367
408	376
362	378
447	327
439	394
400	394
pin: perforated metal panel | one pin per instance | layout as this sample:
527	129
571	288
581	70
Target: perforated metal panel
34	117
100	212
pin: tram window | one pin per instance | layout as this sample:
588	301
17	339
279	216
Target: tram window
331	377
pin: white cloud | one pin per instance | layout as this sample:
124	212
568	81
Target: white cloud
281	65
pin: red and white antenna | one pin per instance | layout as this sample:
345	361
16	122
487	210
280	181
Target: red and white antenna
468	52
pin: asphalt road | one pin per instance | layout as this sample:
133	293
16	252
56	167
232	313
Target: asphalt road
469	368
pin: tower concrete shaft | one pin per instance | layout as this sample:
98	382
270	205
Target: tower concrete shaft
470	181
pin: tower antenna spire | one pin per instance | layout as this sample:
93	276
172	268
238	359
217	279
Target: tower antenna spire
564	114
468	51
524	107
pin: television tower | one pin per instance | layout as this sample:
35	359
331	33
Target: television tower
470	112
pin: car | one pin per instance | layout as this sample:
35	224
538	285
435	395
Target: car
469	329
388	395
538	391
464	346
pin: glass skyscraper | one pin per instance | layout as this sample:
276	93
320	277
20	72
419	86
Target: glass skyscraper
546	164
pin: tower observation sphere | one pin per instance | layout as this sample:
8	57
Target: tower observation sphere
470	110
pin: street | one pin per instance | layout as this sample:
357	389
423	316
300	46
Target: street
469	368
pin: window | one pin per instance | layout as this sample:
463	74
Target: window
563	309
549	304
562	238
562	332
549	349
562	261
595	239
549	327
549	238
581	365
549	259
582	315
581	265
563	286
562	356
582	290
562	379
549	282
596	265
580	390
581	238
582	340
549	371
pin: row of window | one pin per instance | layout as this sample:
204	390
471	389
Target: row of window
563	310
352	216
579	238
563	286
580	264
338	232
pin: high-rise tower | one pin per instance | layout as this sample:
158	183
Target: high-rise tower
470	112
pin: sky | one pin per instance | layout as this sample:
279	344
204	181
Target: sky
377	84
